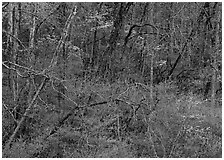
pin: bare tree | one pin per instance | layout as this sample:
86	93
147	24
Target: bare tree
46	74
215	52
13	45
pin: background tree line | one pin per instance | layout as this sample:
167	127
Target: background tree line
103	70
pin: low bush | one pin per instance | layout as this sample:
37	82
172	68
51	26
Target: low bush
117	121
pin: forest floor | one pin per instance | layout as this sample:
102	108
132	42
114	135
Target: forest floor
119	121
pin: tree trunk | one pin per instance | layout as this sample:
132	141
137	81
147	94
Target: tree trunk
214	75
94	53
31	54
12	50
107	63
151	66
32	36
13	47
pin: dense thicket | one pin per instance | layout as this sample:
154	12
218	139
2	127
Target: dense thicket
109	79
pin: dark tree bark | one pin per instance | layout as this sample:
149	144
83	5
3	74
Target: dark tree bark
107	62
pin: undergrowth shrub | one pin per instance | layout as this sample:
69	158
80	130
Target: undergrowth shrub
116	121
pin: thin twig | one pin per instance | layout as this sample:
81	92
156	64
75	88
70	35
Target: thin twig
23	76
3	103
21	43
52	84
62	40
23	67
178	135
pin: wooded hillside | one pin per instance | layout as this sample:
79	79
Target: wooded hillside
111	80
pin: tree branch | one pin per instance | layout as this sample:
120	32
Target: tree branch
21	43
